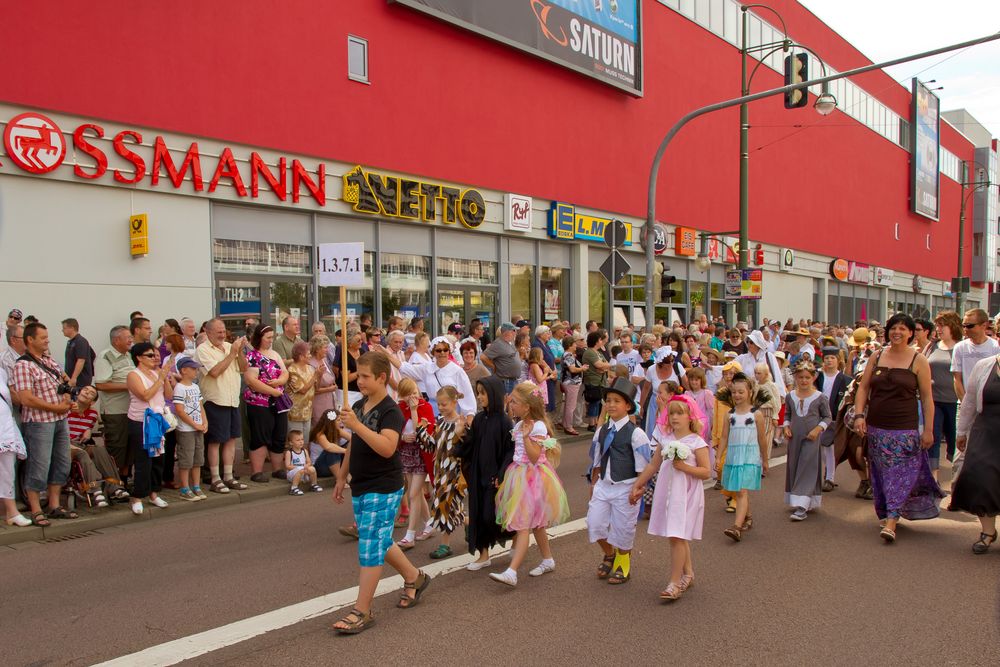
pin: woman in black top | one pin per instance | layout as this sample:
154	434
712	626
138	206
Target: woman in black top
900	473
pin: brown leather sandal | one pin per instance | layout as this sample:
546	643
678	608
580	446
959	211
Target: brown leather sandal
361	621
418	586
734	533
604	569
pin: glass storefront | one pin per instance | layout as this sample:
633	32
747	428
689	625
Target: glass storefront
406	286
259	257
522	290
555	293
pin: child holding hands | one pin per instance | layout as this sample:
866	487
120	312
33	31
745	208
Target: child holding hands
679	501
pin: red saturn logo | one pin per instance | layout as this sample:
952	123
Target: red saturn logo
34	143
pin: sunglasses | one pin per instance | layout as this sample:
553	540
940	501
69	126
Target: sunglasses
150	355
441	350
971	324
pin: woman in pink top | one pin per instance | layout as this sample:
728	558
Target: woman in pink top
146	388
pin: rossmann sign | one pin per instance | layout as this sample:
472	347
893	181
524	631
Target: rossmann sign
35	144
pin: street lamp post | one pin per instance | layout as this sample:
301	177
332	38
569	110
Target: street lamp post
654	168
976	185
823	106
704	263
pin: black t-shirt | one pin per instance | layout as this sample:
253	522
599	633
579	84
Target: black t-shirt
77	347
370	471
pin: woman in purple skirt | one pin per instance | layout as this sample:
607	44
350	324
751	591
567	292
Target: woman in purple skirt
890	387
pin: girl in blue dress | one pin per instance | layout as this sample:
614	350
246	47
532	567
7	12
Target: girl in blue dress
743	444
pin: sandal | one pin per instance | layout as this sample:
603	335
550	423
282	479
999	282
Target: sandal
619	577
888	535
418	586
62	513
747	523
295	491
219	487
38	519
443	551
734	533
686	582
235	485
671	593
360	622
572	432
604	569
981	545
406	544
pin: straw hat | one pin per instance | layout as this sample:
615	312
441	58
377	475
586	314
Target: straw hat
860	336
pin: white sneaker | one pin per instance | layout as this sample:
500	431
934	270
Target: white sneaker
137	508
159	502
505	577
475	566
799	514
544	567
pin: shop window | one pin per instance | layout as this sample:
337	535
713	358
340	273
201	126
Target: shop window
597	296
406	286
555	293
360	300
471	271
522	292
357	59
260	257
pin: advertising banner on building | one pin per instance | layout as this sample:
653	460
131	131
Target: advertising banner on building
599	38
744	284
925	142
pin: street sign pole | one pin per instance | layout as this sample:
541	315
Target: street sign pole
615	267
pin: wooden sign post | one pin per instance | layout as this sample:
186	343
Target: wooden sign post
343	265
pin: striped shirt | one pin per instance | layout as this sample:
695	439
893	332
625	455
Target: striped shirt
81	423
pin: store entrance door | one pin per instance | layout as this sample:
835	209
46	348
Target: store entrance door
462	304
269	300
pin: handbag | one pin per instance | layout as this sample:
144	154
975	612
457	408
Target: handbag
281	403
593	393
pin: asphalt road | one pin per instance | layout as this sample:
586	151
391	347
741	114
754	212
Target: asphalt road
826	591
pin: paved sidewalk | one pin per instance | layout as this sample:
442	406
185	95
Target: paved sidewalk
120	514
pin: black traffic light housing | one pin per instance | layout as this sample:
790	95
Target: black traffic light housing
666	285
796	71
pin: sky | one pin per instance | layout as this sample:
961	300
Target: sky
886	29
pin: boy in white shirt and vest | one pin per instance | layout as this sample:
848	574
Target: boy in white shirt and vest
621	452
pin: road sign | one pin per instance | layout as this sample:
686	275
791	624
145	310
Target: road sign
615	234
138	235
341	264
615	267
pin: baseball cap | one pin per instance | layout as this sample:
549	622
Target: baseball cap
187	362
14	312
455	328
522	323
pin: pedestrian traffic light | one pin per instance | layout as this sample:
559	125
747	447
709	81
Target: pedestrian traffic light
666	285
796	71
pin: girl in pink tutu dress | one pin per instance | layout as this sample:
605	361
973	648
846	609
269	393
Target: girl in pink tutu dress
531	497
679	500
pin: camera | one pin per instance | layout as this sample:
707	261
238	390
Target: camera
64	388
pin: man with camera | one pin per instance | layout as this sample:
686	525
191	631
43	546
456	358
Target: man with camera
44	394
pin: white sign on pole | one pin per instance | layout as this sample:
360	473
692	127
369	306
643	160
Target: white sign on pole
341	264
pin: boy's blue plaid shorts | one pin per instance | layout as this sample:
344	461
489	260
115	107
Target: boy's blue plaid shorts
375	514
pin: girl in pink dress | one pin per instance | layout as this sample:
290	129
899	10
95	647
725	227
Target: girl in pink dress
679	500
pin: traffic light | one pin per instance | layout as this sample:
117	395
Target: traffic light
796	71
666	285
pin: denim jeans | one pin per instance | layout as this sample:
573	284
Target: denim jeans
48	454
508	386
944	424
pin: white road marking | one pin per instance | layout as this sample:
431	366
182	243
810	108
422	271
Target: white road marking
186	648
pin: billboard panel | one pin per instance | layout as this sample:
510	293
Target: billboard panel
599	38
925	144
